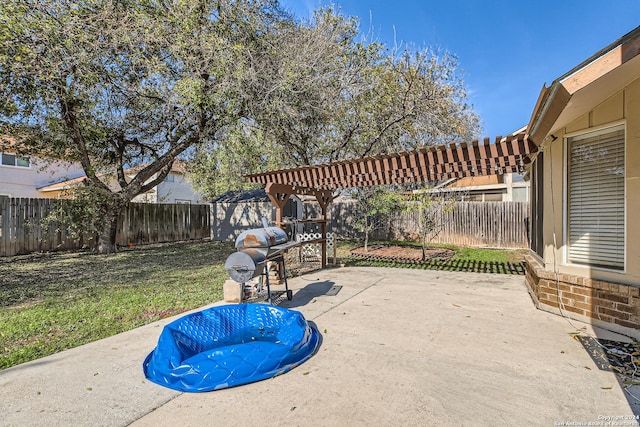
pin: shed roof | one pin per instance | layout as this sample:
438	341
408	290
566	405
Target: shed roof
243	196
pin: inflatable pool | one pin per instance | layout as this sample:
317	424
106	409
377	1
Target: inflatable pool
230	345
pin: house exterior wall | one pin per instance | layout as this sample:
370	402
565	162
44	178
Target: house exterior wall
179	190
175	189
150	196
602	303
509	187
598	294
616	109
18	181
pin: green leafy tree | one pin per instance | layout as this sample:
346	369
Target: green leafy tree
373	207
217	167
115	84
78	217
431	206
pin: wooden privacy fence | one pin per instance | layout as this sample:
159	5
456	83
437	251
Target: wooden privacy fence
154	223
489	224
21	229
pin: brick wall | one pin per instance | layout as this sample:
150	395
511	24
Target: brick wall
608	302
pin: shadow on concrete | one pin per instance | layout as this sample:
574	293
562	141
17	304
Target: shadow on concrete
618	357
305	295
28	365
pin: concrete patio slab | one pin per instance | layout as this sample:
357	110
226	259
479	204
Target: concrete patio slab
399	347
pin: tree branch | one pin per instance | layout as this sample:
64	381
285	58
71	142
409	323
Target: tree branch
69	116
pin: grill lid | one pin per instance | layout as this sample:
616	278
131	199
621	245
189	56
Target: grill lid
261	238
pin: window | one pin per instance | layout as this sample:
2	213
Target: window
14	160
493	197
520	194
473	197
170	178
596	198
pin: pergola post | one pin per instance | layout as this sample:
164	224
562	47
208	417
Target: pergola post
324	197
279	195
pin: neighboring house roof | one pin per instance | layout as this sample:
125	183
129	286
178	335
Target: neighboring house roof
178	167
477	184
474	181
62	185
11	145
7	143
590	83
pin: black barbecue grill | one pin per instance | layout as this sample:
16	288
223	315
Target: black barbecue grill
256	247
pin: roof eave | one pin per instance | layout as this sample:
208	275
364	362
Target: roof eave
553	100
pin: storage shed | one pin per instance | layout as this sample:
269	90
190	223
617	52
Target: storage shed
236	211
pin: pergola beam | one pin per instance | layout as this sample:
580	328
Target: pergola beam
424	164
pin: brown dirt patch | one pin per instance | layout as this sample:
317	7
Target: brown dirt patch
394	252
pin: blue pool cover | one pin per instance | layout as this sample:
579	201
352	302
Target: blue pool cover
230	345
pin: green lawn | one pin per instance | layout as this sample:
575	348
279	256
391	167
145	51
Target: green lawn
53	302
49	303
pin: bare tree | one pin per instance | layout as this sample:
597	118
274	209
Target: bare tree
343	96
331	94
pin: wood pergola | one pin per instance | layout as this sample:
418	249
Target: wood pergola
434	163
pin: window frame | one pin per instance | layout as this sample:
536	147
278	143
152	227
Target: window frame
16	159
585	133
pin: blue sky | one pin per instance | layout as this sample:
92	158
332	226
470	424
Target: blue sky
507	49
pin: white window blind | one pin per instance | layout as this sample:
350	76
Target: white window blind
596	212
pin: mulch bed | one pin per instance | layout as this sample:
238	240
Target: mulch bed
408	254
437	259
